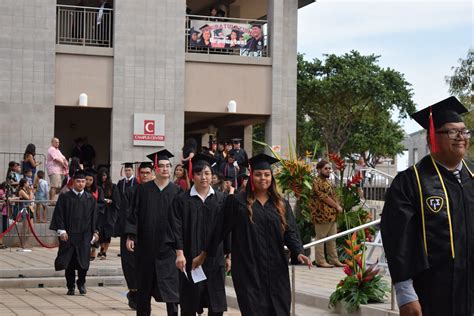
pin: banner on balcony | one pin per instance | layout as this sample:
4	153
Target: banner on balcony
246	39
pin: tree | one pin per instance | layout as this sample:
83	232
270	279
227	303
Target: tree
460	84
348	99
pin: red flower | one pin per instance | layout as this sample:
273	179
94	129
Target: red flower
347	270
355	179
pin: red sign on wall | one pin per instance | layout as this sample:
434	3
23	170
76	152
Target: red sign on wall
149	129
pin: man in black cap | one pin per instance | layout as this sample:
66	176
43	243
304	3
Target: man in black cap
150	237
240	154
194	218
428	220
74	221
125	188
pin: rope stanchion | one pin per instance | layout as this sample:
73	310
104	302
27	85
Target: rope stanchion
11	226
36	236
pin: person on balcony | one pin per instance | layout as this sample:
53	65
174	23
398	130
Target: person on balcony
427	221
324	209
205	41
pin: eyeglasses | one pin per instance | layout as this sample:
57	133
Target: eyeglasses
453	133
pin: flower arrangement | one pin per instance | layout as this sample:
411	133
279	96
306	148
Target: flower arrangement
362	284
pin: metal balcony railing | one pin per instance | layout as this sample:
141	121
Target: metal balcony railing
84	26
226	36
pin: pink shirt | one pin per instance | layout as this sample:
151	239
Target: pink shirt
52	164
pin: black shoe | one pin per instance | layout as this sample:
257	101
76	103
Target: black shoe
82	290
70	291
132	303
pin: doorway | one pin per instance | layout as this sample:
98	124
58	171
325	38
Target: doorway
91	125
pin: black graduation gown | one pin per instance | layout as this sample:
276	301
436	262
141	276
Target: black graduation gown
108	214
125	192
76	216
259	262
148	224
444	286
241	158
193	223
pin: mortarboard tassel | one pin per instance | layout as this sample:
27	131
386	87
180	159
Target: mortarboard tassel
121	172
432	133
157	169
137	174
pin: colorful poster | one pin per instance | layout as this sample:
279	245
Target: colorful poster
246	39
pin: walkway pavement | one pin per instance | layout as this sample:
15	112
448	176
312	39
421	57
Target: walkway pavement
30	270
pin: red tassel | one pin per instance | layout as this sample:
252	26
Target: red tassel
251	179
137	175
157	169
433	142
190	169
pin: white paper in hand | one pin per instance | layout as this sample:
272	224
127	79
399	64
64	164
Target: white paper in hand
198	275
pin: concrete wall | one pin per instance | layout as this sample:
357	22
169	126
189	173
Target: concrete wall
210	86
76	74
282	16
27	75
148	73
417	146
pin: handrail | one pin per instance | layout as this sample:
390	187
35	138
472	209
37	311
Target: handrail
218	19
370	169
341	234
83	7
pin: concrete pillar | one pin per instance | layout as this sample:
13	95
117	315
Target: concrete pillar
282	16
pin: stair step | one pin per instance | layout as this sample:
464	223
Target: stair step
60	281
26	273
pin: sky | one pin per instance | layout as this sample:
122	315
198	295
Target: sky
421	39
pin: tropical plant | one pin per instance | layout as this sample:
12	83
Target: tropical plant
361	285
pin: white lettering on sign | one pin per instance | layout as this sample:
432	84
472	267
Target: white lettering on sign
148	129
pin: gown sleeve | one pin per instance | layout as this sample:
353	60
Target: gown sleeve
57	221
176	222
132	213
291	236
225	223
116	202
401	229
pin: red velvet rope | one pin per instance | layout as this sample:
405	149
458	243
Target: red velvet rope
36	236
11	226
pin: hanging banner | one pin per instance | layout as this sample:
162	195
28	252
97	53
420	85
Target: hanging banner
148	129
246	39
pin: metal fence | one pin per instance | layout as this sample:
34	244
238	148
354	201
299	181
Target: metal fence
84	26
238	50
6	157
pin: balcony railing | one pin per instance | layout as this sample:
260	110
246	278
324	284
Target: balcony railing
84	26
226	36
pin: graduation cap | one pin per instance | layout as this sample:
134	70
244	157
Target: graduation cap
128	164
193	31
433	117
260	162
217	31
159	155
145	164
79	174
236	140
228	178
204	158
89	172
204	27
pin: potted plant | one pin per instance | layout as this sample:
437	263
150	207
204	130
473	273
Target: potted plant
362	284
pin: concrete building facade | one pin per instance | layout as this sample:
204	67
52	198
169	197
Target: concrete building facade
131	57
